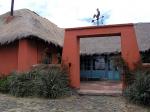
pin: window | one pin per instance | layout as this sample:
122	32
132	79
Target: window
98	63
47	56
85	63
92	63
112	64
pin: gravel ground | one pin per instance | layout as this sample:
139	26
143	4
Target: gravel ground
74	103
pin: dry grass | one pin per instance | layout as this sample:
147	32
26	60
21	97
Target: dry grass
26	23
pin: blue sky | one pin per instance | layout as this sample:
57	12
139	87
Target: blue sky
76	13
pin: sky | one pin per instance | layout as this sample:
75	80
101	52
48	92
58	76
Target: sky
77	13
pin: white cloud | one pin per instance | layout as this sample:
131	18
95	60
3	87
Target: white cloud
68	13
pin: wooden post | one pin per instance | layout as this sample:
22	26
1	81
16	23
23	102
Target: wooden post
12	7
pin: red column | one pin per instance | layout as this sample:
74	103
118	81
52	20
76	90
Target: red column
129	50
129	47
27	55
71	57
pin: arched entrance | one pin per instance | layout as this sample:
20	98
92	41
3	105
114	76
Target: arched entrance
71	49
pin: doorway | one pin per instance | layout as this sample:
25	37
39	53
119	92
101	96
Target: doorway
99	68
98	58
71	48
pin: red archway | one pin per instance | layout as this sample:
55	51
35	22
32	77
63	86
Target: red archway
71	49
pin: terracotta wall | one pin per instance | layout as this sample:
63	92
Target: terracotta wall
8	57
27	54
31	52
23	54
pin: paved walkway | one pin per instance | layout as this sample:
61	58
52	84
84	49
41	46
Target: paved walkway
113	88
70	104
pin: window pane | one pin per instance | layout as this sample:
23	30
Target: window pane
99	63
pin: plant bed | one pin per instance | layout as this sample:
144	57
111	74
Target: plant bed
139	91
44	81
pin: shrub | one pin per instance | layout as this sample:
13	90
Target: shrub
139	91
4	84
23	84
49	82
54	83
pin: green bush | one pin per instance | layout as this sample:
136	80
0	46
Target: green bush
4	84
54	83
139	91
23	84
51	82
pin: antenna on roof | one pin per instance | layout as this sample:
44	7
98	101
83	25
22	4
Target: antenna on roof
12	7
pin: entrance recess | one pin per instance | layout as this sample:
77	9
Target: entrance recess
98	67
71	50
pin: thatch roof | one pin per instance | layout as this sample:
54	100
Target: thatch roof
100	45
27	23
143	35
103	45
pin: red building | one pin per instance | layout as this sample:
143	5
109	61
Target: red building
27	39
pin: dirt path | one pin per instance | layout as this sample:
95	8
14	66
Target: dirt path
70	104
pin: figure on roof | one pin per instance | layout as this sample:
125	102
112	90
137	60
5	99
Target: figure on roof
97	16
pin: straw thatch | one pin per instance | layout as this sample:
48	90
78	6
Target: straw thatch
100	45
27	23
143	35
108	45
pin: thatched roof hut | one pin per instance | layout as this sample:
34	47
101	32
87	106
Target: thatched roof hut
108	45
26	23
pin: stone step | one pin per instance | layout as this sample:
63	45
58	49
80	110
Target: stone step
100	92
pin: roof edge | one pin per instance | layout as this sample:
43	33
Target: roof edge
104	26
